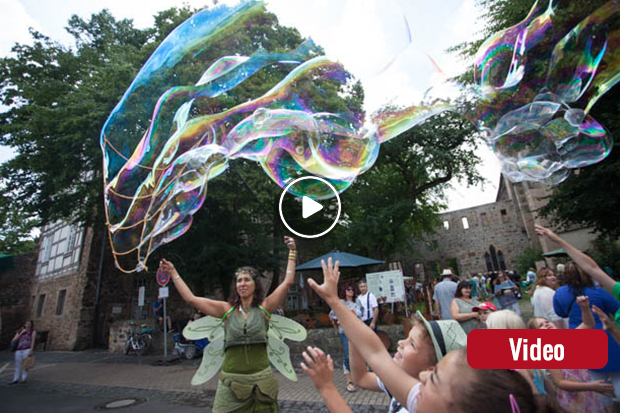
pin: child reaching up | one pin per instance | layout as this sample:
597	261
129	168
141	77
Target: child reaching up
416	353
453	386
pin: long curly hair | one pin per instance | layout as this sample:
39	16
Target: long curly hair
576	278
234	298
343	291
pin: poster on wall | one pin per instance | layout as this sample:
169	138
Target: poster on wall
387	284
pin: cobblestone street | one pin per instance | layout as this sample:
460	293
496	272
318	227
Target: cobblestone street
101	376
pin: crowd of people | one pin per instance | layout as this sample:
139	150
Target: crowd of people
429	371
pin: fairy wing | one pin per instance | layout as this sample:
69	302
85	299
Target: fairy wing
212	358
206	327
284	327
278	352
212	329
280	357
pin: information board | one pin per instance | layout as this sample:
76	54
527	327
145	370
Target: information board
387	284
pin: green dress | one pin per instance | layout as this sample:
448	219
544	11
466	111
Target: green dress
246	381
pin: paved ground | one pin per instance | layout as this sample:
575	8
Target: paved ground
80	381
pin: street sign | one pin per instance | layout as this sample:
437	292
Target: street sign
163	292
162	278
141	296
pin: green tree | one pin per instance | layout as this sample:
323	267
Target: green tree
15	230
527	259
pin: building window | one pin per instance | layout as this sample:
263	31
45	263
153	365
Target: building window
73	233
446	225
40	305
500	258
293	302
465	223
504	215
47	249
60	304
487	261
493	258
484	219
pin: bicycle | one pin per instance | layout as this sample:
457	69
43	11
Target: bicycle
140	342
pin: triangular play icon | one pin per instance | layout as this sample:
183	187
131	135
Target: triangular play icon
309	207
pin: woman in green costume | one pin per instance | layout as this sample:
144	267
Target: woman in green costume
246	383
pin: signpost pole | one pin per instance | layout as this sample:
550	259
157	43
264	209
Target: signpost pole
162	280
165	330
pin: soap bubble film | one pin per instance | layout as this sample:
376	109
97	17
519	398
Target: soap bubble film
535	84
186	115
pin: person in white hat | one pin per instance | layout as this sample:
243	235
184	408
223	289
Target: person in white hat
444	293
451	386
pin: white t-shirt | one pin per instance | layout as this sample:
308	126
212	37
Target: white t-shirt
395	406
367	304
542	301
412	398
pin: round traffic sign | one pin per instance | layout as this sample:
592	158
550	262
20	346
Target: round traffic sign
162	278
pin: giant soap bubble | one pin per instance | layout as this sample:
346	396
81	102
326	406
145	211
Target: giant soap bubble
231	83
535	85
187	115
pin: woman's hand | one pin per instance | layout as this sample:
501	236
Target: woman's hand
329	289
290	243
168	267
583	301
319	367
600	386
608	324
546	232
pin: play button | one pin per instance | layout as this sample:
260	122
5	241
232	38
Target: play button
309	207
313	214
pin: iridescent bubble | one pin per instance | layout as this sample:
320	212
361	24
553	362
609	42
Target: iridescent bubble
536	83
177	127
187	114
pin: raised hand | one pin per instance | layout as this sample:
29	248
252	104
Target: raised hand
167	267
608	324
290	243
546	232
329	289
583	301
318	366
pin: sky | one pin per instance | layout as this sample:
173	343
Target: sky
386	43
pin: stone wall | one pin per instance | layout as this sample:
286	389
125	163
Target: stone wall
326	339
15	299
498	224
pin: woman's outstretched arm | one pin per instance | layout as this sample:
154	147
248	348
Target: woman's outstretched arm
277	297
213	308
582	260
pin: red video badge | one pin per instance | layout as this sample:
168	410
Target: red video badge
537	349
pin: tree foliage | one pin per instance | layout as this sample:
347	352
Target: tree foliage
527	259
